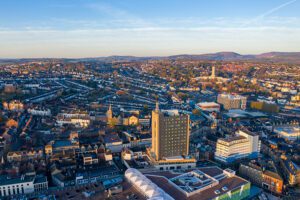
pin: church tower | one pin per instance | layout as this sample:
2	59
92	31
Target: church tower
109	114
213	72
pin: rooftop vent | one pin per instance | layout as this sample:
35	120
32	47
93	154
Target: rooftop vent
217	192
224	188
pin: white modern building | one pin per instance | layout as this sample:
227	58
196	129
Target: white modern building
230	101
244	144
39	112
145	186
208	106
76	117
24	184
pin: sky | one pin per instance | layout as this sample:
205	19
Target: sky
92	28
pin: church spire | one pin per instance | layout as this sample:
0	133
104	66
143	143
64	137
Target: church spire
157	106
109	112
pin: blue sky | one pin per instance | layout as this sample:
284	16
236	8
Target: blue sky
87	28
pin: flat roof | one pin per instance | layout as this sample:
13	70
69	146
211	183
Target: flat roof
109	138
235	115
233	138
247	131
62	143
6	180
208	104
162	180
212	171
288	129
243	113
193	181
230	183
232	96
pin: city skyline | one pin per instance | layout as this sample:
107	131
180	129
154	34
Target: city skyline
139	28
149	99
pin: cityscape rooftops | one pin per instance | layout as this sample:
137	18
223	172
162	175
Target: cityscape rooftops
111	138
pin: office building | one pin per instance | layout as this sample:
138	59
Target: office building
244	144
232	101
170	140
170	134
24	184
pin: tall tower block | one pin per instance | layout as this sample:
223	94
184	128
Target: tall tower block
170	134
213	72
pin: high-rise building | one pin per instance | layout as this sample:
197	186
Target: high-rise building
244	144
170	134
232	101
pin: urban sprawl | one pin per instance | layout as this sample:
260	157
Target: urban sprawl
158	129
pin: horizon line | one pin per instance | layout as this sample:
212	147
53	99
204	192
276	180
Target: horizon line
148	56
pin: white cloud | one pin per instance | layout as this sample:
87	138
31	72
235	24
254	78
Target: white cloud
124	33
146	41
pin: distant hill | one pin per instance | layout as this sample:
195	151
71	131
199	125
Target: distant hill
215	56
284	57
289	57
